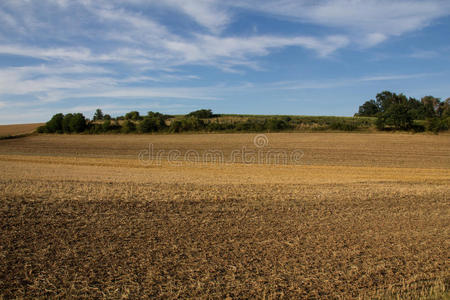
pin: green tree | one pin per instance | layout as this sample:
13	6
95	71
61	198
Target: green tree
66	123
55	124
148	125
416	109
368	109
98	116
398	116
201	114
152	124
384	100
431	105
133	115
159	115
77	123
444	109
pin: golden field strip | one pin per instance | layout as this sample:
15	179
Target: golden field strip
18	129
359	216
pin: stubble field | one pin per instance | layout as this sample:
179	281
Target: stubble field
18	129
357	216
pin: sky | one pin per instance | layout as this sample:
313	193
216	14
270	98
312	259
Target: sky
302	57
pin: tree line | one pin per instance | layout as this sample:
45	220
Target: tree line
388	111
134	122
399	112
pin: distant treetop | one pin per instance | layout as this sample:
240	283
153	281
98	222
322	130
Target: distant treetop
202	114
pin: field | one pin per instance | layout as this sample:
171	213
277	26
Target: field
13	130
351	216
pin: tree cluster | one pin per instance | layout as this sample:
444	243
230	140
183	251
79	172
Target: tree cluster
202	114
401	113
133	122
69	123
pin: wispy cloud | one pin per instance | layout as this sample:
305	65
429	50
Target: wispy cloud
424	54
342	82
208	13
369	22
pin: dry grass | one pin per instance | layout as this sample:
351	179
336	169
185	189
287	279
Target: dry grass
364	216
18	129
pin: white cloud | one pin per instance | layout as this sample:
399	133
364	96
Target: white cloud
207	13
74	54
142	25
370	21
396	77
373	39
209	49
211	14
53	83
137	92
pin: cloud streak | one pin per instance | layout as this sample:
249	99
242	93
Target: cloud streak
342	82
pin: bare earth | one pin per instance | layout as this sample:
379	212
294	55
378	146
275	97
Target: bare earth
357	216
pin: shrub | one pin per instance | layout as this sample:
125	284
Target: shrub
187	124
215	126
42	129
342	125
95	128
418	127
435	124
106	126
276	124
176	126
380	122
151	124
192	124
128	127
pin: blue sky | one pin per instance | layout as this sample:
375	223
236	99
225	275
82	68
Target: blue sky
305	57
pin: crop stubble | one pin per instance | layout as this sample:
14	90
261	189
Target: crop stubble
364	215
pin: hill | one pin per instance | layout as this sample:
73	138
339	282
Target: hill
18	129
